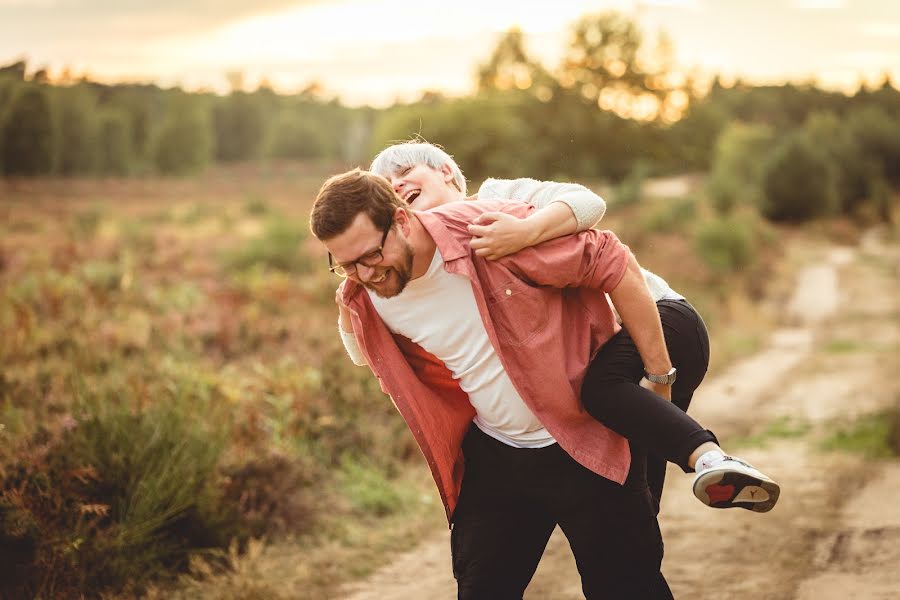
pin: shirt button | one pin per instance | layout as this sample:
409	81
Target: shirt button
509	292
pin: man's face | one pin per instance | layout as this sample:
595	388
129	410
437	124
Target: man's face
389	276
423	187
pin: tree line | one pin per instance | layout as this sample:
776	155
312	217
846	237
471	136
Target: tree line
613	108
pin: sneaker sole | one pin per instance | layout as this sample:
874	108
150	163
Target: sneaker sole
734	489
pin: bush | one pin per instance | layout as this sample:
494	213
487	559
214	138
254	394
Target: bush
111	496
798	182
736	176
725	244
278	248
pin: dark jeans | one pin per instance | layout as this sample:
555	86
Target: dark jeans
511	500
612	394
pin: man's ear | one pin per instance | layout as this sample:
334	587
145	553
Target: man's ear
401	218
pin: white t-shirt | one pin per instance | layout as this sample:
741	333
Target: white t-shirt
438	312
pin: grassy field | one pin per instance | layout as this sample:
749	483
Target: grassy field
174	399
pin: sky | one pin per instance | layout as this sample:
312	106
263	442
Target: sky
376	51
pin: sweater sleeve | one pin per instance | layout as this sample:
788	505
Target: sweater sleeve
587	206
352	347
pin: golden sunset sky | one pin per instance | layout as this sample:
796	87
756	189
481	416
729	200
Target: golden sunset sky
375	51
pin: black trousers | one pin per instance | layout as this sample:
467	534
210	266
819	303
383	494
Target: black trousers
612	394
510	502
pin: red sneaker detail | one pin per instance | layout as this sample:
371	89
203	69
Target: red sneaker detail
719	493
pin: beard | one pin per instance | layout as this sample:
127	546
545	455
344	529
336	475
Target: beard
396	277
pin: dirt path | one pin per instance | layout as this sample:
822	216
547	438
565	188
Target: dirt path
836	530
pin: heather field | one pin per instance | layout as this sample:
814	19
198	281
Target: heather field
174	398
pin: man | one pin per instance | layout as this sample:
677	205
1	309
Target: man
518	333
425	176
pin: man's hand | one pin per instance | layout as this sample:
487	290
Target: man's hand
497	234
659	389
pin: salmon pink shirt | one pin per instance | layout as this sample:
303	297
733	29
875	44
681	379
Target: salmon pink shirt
546	316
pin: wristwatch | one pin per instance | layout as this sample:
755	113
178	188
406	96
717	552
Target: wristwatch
667	379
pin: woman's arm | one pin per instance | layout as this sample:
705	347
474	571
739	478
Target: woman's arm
563	208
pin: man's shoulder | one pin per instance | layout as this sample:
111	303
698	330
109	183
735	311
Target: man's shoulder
461	214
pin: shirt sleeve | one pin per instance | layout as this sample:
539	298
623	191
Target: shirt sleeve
352	347
590	259
587	206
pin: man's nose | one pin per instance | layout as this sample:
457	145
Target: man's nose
364	273
397	182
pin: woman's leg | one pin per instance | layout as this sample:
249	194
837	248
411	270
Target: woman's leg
611	393
688	342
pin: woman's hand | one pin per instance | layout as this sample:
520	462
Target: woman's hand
497	234
344	321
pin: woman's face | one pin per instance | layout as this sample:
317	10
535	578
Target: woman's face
423	187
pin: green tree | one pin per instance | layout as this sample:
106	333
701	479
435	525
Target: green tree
116	152
609	64
737	169
851	167
510	67
185	139
78	150
240	127
798	182
28	134
297	136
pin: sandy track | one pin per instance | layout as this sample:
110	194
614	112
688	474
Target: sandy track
831	536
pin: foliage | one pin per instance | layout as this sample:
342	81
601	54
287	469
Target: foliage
737	169
239	123
110	496
78	130
116	152
184	143
798	182
725	244
29	138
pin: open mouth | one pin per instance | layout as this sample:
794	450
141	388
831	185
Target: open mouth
411	196
379	280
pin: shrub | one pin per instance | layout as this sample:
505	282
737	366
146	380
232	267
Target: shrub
278	248
798	182
725	244
736	175
112	496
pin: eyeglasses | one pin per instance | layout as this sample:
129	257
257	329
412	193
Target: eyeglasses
369	260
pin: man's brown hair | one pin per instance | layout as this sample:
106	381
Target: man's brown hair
344	196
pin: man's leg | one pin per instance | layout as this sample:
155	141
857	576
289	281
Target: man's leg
499	531
613	532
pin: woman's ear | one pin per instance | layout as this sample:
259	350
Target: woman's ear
447	173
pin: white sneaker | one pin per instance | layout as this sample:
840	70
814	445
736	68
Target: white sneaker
732	482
